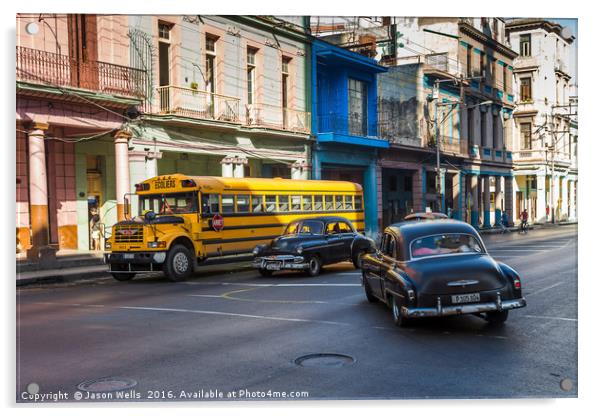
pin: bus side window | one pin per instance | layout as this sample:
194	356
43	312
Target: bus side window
348	202
257	203
307	203
283	203
270	203
296	203
329	202
228	203
318	202
339	199
242	203
358	202
210	203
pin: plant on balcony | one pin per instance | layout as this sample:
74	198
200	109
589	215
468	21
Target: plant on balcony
194	85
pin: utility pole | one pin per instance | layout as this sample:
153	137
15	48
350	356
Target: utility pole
438	168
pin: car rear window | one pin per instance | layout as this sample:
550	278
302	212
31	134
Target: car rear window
445	244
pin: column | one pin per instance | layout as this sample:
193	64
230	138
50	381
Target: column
571	198
151	169
487	141
540	209
498	200
38	196
227	167
137	162
476	127
564	196
419	190
555	205
370	201
458	193
486	202
509	199
442	191
473	202
239	164
122	171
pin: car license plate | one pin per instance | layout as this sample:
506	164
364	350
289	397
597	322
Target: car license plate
128	256
470	297
273	266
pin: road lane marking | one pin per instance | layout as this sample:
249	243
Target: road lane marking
550	317
546	288
277	284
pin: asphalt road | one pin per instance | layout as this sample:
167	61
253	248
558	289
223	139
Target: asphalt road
238	332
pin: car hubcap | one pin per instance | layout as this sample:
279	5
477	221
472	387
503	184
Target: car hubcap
395	311
180	263
313	265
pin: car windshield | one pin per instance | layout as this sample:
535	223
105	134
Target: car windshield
168	204
304	227
442	244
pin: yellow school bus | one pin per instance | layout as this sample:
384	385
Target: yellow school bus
187	219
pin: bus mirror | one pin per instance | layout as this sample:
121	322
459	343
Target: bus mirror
150	216
126	206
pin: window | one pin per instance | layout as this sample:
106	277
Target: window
339	202
210	203
251	52
469	121
358	118
227	203
285	74
318	202
348	202
296	203
525	89
504	79
210	41
242	203
307	203
304	227
443	244
257	203
164	29
283	203
525	45
329	204
164	74
270	203
468	61
344	227
358	201
492	64
525	136
484	139
168	204
389	246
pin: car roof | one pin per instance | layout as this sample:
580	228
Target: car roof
425	216
323	218
410	230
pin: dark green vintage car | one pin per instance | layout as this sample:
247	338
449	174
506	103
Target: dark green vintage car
439	268
308	244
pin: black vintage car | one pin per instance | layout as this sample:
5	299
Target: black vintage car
439	268
308	244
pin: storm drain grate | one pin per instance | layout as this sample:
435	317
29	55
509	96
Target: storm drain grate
107	384
324	360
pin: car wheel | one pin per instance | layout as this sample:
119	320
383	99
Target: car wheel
178	265
315	265
123	277
371	298
357	260
265	272
497	317
398	317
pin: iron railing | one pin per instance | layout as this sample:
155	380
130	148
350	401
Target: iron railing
34	65
187	102
350	124
264	115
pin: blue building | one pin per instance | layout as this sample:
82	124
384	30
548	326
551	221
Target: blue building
345	122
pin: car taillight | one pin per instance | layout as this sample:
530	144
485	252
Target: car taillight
517	284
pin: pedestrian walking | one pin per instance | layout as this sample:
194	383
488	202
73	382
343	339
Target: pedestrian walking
524	218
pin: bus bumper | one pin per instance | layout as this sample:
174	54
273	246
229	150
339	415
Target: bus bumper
135	262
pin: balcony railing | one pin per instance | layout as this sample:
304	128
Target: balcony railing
203	105
541	155
271	116
39	66
350	124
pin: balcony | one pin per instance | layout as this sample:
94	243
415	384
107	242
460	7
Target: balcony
275	117
350	129
201	105
40	67
541	155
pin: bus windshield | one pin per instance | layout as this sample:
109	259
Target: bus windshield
168	204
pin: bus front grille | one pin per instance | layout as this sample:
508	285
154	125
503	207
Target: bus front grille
129	233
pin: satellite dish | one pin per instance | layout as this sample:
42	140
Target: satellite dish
32	28
566	32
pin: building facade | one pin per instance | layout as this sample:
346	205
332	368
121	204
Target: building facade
449	85
104	102
545	165
345	122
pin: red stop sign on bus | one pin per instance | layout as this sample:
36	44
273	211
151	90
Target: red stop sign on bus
217	222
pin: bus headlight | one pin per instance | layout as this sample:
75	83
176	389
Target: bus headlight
157	244
107	245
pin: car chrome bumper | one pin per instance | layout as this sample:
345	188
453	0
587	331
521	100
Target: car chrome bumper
282	262
463	309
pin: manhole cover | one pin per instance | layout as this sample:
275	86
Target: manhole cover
107	384
324	360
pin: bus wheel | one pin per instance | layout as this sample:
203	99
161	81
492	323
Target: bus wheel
123	277
178	265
